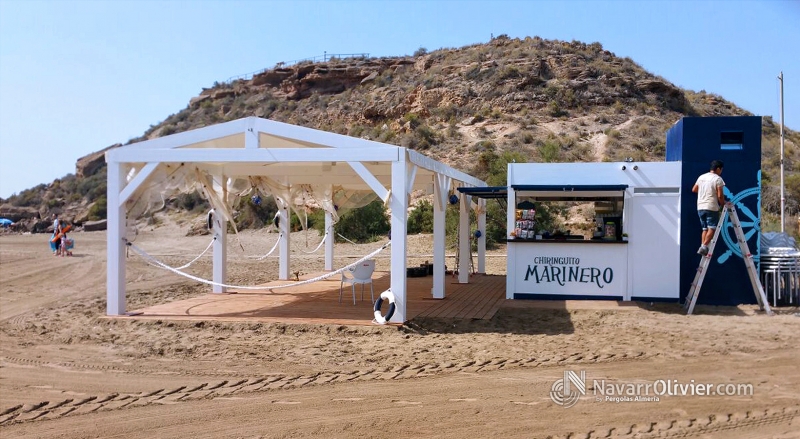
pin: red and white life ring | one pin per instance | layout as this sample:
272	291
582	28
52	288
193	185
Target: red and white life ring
379	318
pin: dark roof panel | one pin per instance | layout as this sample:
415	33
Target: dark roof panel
485	192
569	187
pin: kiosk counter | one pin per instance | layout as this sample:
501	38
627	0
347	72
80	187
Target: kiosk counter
633	251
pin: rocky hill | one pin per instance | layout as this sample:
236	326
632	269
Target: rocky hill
539	99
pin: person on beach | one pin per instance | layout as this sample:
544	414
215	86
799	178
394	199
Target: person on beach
56	231
710	200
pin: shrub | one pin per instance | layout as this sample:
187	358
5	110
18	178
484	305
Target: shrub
495	224
94	186
169	129
254	216
484	145
365	224
509	72
413	120
550	151
427	136
29	197
493	168
98	209
555	110
527	137
420	220
191	202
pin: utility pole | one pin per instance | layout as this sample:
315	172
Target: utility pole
783	196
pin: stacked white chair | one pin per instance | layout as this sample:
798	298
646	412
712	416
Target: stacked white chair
780	268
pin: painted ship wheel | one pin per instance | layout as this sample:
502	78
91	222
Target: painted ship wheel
749	220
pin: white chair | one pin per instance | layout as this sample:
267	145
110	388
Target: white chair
360	274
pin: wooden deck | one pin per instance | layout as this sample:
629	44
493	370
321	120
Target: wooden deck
318	302
479	299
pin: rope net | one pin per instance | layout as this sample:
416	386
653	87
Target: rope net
155	262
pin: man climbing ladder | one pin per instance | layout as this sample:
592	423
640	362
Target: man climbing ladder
694	291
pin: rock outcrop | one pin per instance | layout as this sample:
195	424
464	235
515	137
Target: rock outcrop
89	164
16	214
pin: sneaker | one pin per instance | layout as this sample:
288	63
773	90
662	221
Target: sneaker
703	250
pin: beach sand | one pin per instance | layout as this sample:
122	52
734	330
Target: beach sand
66	371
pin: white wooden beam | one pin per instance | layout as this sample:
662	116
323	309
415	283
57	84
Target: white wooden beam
115	247
220	248
137	181
312	136
464	250
190	137
481	211
373	182
285	240
399	221
511	248
440	168
260	155
441	186
443	182
329	240
319	179
412	175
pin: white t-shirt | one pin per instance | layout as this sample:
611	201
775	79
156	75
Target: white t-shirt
707	185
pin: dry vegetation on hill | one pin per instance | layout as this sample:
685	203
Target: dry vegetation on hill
541	100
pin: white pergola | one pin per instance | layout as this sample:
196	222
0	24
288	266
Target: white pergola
295	155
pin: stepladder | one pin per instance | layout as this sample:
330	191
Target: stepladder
458	258
705	261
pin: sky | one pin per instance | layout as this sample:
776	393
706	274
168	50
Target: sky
77	76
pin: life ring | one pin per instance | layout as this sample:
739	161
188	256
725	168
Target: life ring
381	319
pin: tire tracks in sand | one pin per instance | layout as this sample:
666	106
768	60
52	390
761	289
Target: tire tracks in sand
238	384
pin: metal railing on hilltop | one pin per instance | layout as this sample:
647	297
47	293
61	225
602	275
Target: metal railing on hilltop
324	58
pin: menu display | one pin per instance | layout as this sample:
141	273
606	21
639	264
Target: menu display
524	227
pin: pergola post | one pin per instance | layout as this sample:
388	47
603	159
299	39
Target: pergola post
482	239
283	247
329	239
399	207
115	246
441	186
220	264
464	251
510	223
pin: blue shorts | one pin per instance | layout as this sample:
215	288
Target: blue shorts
708	218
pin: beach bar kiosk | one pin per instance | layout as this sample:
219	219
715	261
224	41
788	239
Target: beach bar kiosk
633	249
644	246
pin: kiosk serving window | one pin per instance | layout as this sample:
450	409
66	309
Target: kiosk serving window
586	213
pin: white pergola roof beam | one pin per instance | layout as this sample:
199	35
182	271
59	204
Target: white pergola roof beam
242	155
296	133
198	135
440	168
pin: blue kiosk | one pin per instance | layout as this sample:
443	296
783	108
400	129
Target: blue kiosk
736	140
